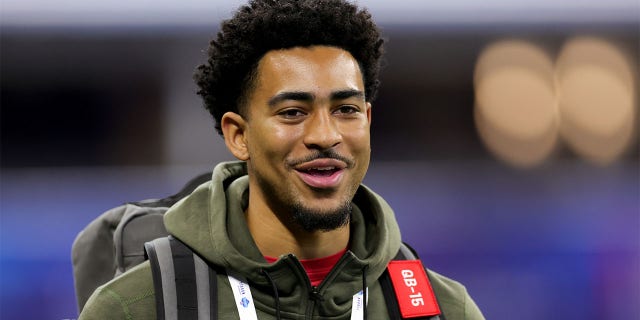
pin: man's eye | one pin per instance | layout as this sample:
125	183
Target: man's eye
291	113
347	110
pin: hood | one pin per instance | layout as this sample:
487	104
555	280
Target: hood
211	222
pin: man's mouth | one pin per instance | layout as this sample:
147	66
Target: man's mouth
321	173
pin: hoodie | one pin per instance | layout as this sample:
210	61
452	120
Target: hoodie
211	222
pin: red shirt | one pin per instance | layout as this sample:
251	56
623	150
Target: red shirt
317	269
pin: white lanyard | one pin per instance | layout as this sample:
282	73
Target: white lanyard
357	306
243	298
247	309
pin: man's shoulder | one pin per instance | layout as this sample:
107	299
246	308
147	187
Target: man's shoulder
129	296
453	298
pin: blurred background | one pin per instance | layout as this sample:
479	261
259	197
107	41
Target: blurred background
505	136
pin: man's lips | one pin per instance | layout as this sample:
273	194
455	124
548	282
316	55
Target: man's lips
321	173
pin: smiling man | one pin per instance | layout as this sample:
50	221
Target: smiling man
305	139
287	232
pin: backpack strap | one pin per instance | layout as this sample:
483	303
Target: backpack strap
405	252
185	286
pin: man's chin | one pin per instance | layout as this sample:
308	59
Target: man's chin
322	219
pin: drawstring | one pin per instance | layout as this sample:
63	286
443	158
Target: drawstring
364	292
275	293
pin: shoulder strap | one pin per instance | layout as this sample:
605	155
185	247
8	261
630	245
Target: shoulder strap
185	286
405	252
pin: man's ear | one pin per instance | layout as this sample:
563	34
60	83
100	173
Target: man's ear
369	112
234	131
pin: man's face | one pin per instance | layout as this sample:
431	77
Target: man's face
307	133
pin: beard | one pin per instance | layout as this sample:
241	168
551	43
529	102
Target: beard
316	220
288	205
292	211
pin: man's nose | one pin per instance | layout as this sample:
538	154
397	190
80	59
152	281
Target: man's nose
322	131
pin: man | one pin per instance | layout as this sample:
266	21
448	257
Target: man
289	84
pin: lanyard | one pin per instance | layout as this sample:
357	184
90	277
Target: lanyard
242	295
247	310
357	306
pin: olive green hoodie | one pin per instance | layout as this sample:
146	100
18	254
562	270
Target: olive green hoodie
211	221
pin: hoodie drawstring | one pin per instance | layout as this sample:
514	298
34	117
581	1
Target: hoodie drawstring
275	292
364	292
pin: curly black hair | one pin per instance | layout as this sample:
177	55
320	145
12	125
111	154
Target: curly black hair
265	25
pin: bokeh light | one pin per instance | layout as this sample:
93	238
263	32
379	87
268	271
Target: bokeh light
597	98
516	110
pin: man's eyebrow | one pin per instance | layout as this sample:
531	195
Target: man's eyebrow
346	94
291	95
309	97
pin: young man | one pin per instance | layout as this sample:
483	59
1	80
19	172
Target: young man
289	84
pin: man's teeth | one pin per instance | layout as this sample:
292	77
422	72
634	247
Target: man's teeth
322	169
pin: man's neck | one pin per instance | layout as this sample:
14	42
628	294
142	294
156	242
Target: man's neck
275	238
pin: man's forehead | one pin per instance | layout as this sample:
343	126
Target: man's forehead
306	68
307	51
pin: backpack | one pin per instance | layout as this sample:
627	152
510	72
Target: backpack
114	242
127	235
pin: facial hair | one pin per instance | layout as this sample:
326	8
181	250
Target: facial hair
315	220
308	219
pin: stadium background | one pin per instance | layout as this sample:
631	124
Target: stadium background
98	108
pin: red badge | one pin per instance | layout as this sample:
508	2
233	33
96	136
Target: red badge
413	290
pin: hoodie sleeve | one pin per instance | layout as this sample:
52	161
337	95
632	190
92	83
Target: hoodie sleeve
454	300
471	310
129	296
103	304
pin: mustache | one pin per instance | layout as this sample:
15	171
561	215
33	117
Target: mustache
321	154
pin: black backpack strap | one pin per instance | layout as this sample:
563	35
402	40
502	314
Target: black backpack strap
405	252
185	286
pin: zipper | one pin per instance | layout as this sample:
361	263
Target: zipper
314	291
312	302
337	268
